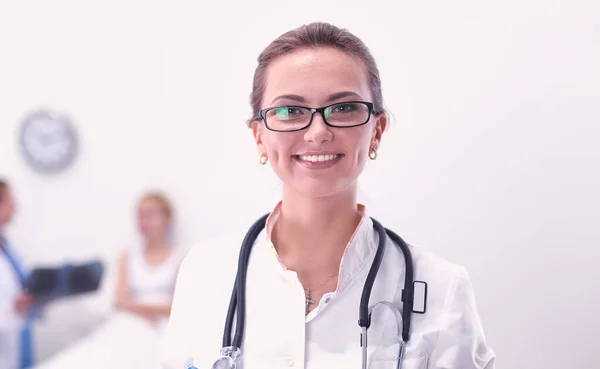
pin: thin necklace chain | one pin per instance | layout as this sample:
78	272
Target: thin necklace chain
308	297
322	283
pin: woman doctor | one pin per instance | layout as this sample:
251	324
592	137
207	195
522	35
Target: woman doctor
307	268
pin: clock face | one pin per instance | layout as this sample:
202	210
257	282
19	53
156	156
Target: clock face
48	141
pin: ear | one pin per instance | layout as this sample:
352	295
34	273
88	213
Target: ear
257	131
378	129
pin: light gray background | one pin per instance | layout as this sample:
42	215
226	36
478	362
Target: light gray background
492	160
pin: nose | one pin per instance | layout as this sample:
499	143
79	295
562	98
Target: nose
318	132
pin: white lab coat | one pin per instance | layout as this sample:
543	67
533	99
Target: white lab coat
10	321
278	335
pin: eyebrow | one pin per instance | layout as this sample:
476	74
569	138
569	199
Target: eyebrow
332	97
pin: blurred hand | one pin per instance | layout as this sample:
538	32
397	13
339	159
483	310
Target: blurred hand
133	308
23	302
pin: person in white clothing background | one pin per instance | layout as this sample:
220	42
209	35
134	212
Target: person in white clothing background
145	283
15	330
308	266
140	270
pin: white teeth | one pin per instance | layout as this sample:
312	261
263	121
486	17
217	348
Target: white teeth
318	158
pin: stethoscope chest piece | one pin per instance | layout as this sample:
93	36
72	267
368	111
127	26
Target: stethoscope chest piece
228	359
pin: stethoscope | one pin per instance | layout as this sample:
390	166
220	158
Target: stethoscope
231	350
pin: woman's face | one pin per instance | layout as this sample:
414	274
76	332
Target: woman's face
7	206
316	78
152	221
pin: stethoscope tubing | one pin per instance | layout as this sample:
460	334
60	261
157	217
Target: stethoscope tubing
237	303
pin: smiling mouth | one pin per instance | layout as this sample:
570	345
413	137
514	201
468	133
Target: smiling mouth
318	158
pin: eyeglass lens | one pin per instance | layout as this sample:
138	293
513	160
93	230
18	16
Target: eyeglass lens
340	115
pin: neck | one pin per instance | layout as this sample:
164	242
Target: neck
312	233
156	243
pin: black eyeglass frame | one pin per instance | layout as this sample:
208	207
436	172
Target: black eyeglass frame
262	115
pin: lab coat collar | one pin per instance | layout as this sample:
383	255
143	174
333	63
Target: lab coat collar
359	250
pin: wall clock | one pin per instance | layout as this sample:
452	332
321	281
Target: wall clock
48	141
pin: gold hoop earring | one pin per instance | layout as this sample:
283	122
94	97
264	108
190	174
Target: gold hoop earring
263	158
373	154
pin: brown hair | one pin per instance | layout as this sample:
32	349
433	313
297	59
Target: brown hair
315	35
161	200
3	188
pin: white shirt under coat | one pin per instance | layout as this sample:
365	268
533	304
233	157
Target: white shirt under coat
279	335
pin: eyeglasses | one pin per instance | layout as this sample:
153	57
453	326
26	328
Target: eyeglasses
295	118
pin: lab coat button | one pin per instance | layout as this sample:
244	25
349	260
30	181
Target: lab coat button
290	363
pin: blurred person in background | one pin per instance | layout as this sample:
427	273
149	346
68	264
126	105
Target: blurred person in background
146	276
15	328
145	284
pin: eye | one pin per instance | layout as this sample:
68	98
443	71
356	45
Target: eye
342	108
293	111
286	113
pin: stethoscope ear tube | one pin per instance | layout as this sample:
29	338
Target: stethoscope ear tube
364	319
230	315
408	292
364	316
237	303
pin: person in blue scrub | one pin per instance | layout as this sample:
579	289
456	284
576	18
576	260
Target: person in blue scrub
15	302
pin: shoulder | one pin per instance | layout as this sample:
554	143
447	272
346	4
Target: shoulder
438	273
434	267
222	249
451	311
204	284
178	254
443	278
207	267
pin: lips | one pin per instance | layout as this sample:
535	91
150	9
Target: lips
318	161
318	158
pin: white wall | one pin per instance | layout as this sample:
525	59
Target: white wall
492	160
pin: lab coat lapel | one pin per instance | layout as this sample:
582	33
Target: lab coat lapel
18	268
